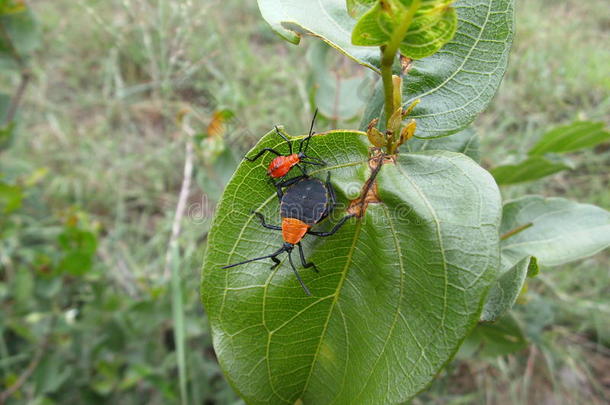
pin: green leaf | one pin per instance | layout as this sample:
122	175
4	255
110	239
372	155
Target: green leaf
455	84
466	142
499	338
397	291
532	168
578	135
327	20
23	37
562	230
433	25
429	33
506	289
338	96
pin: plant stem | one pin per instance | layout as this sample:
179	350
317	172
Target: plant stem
388	54
182	201
515	231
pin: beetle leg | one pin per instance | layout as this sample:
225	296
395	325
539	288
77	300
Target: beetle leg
285	183
308	138
284	138
296	273
276	261
302	169
332	203
272	256
331	191
265	224
290	181
304	262
337	226
260	153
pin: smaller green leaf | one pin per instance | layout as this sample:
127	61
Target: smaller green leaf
374	28
562	230
578	135
433	25
466	142
429	33
532	168
499	338
505	291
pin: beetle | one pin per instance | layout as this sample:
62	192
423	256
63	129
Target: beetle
305	203
282	164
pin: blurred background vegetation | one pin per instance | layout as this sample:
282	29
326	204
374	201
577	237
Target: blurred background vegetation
99	307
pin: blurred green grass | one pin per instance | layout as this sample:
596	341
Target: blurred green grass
112	76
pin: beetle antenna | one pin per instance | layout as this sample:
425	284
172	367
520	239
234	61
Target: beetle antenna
282	249
296	273
313	121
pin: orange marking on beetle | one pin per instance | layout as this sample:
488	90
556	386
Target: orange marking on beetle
293	230
281	165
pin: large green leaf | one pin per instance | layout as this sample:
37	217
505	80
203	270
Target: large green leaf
532	168
397	291
562	230
578	135
455	84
